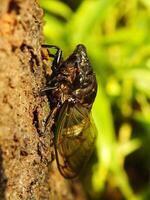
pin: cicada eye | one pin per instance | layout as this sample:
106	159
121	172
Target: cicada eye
74	139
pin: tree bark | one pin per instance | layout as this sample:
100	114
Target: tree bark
26	167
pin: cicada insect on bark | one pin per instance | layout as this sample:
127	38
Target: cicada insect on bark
71	90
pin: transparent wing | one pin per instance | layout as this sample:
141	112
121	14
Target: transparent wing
74	139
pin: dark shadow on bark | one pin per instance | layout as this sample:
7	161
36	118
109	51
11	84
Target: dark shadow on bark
3	179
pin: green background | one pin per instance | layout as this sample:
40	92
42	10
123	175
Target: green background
117	36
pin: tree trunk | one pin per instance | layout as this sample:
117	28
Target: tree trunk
26	167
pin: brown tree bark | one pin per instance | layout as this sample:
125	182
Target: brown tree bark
26	167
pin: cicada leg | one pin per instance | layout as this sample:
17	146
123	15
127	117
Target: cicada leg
49	123
57	56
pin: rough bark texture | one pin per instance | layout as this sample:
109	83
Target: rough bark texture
26	167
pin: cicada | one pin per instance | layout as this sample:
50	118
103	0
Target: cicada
71	90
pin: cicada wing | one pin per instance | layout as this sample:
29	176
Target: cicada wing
74	139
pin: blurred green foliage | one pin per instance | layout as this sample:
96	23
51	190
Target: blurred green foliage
117	36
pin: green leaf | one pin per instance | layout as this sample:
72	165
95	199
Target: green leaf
57	7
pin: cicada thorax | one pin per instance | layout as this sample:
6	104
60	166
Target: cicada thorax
75	80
